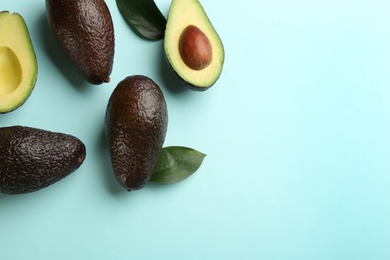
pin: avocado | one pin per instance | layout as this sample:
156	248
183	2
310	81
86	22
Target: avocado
192	46
85	31
136	124
32	158
18	62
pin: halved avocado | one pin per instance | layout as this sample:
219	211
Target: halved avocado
192	46
18	63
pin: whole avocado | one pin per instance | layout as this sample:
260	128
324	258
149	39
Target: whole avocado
32	158
85	31
136	125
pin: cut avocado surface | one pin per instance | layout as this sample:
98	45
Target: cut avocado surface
18	64
187	19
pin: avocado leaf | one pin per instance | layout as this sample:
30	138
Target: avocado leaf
176	163
144	17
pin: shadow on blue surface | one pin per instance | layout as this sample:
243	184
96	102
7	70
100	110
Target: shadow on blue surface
52	49
112	185
169	80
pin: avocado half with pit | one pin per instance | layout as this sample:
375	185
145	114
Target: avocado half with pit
18	63
192	46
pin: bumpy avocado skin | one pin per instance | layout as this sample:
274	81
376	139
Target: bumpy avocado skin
85	31
32	158
136	125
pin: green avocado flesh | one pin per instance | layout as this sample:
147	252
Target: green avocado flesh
32	158
18	63
136	125
182	14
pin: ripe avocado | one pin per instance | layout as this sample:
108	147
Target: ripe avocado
32	158
136	125
18	62
85	31
192	46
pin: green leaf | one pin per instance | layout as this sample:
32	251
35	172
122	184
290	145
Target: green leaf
176	163
144	17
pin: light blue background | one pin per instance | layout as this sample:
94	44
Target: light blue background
296	131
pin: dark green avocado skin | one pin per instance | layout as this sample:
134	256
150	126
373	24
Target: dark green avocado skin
32	158
185	83
85	31
136	125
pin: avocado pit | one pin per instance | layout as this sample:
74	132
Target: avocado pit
195	48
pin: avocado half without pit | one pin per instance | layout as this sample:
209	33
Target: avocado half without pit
192	46
18	63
